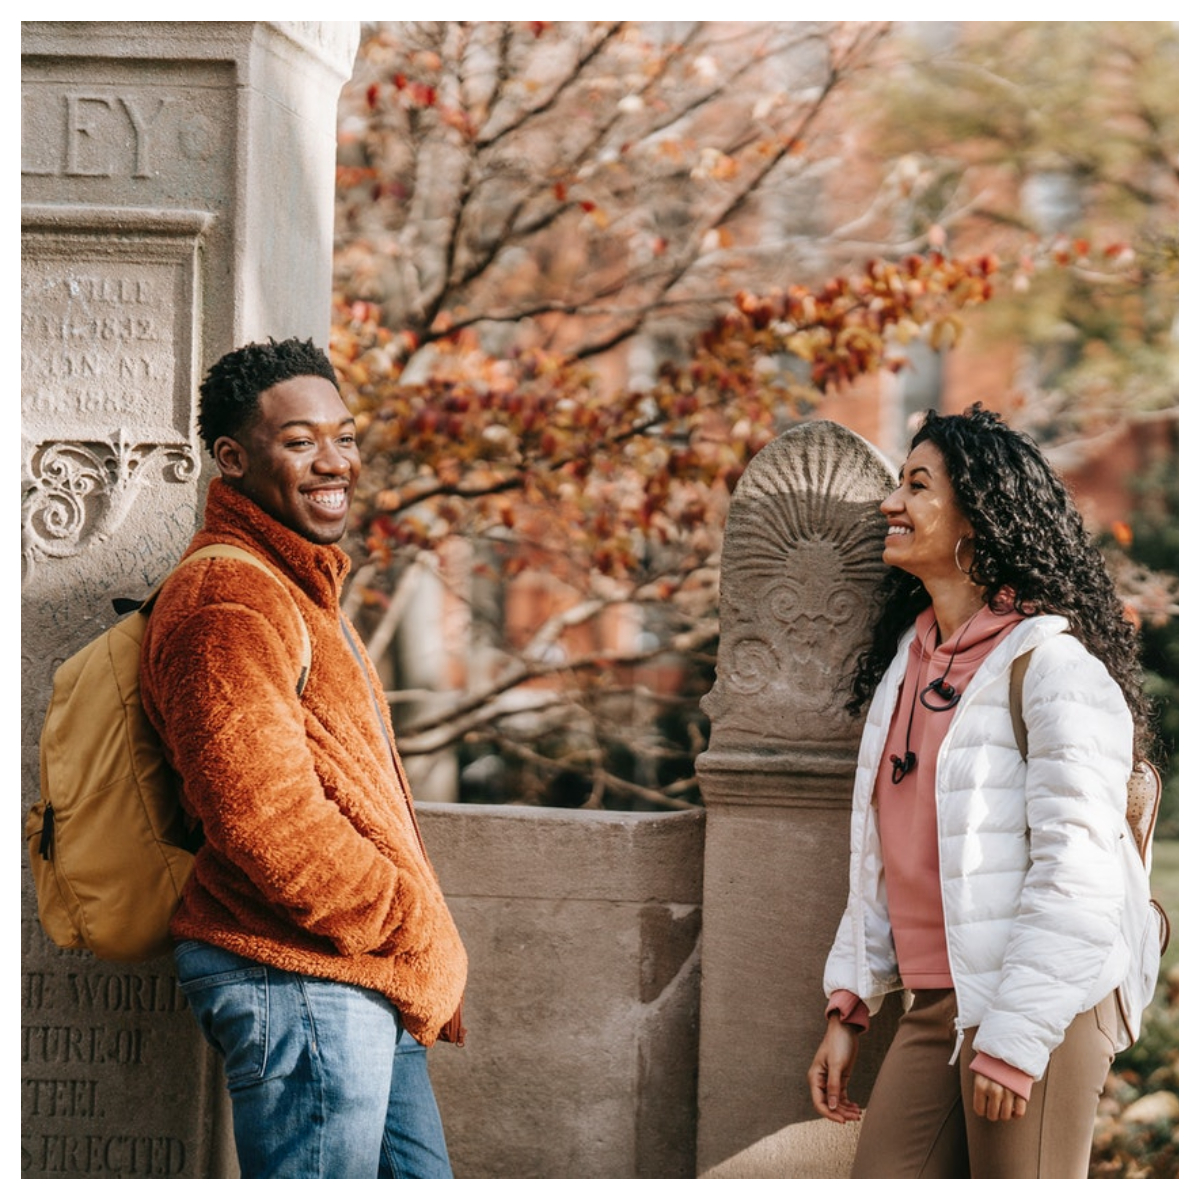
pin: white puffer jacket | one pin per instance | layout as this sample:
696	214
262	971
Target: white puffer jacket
1031	880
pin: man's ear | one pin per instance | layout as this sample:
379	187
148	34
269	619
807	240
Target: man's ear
230	457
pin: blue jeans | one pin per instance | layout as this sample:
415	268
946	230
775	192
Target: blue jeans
325	1081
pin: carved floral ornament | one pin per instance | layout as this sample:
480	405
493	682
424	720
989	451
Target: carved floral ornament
75	494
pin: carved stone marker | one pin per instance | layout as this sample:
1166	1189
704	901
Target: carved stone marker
800	563
177	201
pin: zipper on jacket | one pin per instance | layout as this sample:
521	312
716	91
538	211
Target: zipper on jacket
388	746
454	1030
959	1034
969	698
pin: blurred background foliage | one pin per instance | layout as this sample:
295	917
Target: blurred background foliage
584	271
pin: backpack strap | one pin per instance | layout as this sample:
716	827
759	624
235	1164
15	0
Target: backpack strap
1016	688
225	550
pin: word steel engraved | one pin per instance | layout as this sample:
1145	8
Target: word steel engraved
108	351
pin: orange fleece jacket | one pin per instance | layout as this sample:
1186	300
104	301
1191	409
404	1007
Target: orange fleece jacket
312	860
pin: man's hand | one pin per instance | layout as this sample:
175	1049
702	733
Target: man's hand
829	1075
996	1102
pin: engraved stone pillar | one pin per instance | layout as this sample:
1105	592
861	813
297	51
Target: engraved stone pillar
177	200
800	563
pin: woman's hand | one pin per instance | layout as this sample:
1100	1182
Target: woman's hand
829	1075
996	1102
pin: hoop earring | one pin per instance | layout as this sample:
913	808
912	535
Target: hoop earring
957	548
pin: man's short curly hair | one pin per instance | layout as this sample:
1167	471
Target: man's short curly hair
230	391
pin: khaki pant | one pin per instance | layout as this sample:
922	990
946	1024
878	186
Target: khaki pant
920	1121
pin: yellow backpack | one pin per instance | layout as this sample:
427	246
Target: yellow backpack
109	842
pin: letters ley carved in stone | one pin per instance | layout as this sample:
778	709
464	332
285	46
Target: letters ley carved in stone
108	345
800	564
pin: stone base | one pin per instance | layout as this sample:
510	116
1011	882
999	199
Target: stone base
807	1150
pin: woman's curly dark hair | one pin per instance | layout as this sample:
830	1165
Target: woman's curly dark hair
1028	536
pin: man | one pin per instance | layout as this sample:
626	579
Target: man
313	942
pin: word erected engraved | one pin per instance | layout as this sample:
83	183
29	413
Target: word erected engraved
67	1062
109	1156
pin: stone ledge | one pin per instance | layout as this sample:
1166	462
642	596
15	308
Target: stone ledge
803	777
566	854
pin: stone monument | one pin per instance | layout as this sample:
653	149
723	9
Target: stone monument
177	201
800	562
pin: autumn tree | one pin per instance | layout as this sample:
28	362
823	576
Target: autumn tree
574	186
569	310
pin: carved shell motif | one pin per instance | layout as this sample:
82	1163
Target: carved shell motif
800	565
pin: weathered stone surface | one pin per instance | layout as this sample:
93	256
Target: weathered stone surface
583	935
808	1150
801	560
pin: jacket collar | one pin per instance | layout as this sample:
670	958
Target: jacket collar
229	516
1028	635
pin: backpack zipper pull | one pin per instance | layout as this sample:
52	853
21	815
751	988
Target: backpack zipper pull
46	844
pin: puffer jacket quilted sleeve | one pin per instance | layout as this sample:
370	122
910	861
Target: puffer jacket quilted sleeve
1063	951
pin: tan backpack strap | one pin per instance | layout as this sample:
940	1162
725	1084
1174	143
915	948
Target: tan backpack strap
1016	688
225	550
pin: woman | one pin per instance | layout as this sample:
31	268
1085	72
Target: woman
985	883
